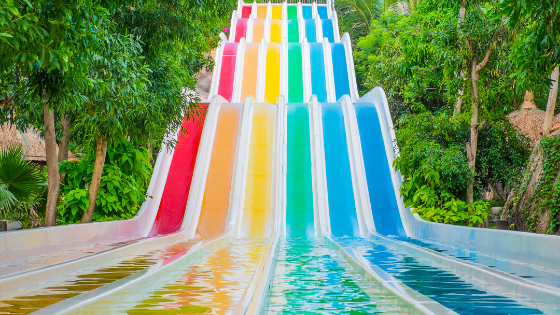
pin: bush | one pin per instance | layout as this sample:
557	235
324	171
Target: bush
125	179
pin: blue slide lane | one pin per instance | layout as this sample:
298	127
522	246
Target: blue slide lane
342	207
328	30
307	12
340	70
322	11
382	196
318	82
310	31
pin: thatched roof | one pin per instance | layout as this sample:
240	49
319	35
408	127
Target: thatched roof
30	140
528	122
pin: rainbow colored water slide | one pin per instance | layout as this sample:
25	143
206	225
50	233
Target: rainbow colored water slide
281	198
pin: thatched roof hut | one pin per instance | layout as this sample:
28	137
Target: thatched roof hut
30	140
528	120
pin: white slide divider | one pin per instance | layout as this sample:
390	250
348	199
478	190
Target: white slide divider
284	67
359	185
329	76
336	32
299	11
314	10
301	29
233	26
261	73
269	11
306	71
216	71
242	164
319	171
318	29
351	70
238	75
267	24
200	174
250	27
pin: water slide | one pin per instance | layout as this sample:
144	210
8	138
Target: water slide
281	198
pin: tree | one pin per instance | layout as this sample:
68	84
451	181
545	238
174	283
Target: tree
115	101
21	187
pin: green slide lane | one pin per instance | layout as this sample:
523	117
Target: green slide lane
299	190
295	74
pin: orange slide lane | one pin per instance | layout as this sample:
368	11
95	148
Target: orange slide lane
214	212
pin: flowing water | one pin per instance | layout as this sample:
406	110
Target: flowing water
311	278
462	295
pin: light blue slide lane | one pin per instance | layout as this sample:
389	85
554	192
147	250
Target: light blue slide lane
322	12
328	30
307	12
382	195
310	31
342	207
340	70
318	82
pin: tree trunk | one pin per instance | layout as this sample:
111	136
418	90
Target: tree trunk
100	153
551	102
457	110
52	166
472	145
65	141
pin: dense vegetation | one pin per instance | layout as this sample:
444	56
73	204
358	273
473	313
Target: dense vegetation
452	71
105	78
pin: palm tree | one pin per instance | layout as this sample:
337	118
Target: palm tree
357	15
22	185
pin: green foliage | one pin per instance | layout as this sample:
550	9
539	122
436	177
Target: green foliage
122	191
22	185
425	193
355	16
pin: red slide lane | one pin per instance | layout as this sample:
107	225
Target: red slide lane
227	74
246	11
176	191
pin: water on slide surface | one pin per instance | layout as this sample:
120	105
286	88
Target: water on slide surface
322	12
310	31
340	70
292	13
250	65
299	187
240	29
293	31
272	87
257	216
439	284
277	12
317	62
258	30
384	208
530	272
246	11
90	278
227	72
295	74
215	205
275	31
262	11
307	12
310	278
342	206
328	31
176	191
212	283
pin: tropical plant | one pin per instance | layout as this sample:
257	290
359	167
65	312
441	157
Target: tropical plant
22	185
356	16
122	189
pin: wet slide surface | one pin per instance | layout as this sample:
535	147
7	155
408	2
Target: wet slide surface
215	205
257	216
208	284
299	186
295	74
227	71
328	31
384	208
250	65
318	81
340	70
342	207
311	278
272	87
310	31
174	199
439	284
99	273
